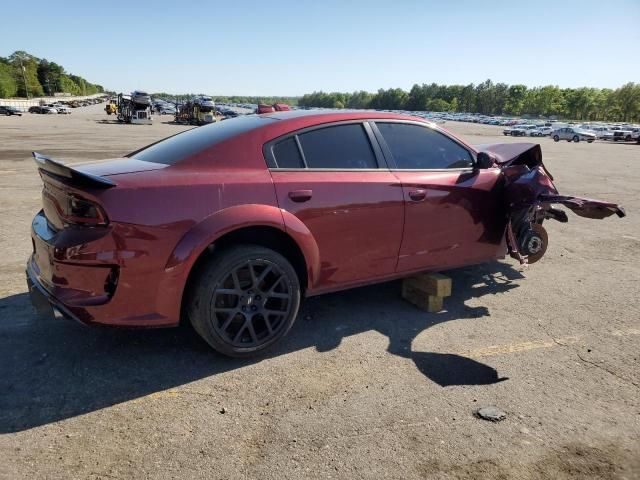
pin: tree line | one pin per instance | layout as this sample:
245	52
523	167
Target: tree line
24	75
488	98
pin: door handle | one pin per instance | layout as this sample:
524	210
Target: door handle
300	195
418	194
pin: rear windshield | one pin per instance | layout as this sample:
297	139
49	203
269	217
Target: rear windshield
178	147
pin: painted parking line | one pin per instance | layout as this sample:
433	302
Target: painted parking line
538	344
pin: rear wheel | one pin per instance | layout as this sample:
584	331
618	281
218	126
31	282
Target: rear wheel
556	138
244	299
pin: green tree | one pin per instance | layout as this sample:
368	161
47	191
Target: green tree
516	95
8	84
26	69
627	99
391	99
438	105
359	99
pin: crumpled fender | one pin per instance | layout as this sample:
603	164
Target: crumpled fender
528	182
198	238
529	195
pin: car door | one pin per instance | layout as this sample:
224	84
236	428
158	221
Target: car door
453	212
330	178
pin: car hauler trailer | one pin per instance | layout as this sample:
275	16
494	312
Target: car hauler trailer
199	111
134	108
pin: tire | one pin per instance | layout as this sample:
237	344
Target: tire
627	138
244	299
576	138
556	138
589	141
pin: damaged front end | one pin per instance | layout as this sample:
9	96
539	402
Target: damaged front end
530	196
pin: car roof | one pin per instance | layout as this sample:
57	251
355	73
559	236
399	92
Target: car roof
312	117
280	123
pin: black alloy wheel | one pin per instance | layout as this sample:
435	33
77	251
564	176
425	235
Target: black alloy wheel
247	298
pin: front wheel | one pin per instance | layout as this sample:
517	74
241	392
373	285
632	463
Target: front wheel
534	242
576	138
556	138
244	299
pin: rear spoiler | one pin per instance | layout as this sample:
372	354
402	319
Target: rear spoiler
57	169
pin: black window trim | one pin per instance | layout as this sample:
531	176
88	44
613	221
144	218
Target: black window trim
270	158
393	166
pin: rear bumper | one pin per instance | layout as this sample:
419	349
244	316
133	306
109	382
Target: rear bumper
107	276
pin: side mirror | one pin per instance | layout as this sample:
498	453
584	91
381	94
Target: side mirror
484	160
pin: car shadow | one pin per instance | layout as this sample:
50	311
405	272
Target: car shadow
52	369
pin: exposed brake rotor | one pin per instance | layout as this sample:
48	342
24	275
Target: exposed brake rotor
536	242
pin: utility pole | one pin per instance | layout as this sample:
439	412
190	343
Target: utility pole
24	77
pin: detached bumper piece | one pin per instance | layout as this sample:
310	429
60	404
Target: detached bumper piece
39	299
45	305
586	207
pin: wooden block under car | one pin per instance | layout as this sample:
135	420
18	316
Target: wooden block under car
427	291
431	283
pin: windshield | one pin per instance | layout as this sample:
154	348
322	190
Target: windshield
178	147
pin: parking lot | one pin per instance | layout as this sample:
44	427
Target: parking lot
365	385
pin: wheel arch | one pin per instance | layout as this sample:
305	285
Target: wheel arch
263	225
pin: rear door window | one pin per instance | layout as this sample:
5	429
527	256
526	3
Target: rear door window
287	154
338	147
415	147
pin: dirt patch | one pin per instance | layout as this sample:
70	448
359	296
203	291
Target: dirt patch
572	461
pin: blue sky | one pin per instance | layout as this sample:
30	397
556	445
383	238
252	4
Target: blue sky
293	47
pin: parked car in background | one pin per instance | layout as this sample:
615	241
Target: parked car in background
35	109
507	131
8	111
49	110
624	134
600	131
166	109
298	204
540	132
572	134
522	130
62	109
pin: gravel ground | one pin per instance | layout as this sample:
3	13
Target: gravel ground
365	385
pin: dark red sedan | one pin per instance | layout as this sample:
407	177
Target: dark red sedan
233	223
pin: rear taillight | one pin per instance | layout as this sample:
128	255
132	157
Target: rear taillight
80	211
72	209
